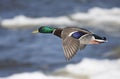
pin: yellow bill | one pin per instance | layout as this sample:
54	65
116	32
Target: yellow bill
35	31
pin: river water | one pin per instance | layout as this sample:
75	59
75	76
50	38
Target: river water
28	56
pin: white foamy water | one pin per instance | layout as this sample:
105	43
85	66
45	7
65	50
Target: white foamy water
104	18
34	75
89	68
23	21
108	19
96	69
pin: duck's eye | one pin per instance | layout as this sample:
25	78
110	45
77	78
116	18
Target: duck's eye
77	35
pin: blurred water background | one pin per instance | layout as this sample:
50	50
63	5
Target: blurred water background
27	56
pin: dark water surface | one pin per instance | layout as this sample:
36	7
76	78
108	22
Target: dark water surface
50	8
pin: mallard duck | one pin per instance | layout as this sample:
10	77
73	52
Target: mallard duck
73	38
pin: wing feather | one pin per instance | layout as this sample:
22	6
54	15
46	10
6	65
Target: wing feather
70	46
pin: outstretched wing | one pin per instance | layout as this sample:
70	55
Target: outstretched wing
70	46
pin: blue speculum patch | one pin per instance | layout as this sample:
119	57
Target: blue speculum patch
77	35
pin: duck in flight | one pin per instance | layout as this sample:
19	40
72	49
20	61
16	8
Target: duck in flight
73	38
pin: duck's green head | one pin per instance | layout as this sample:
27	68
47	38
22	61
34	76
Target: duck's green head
44	29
